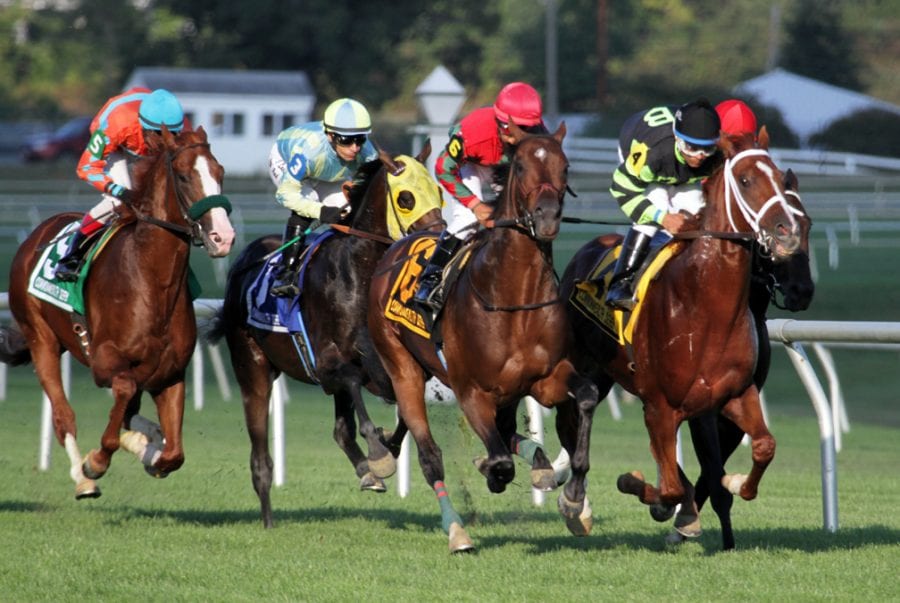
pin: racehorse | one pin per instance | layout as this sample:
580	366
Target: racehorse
508	294
334	296
695	344
138	330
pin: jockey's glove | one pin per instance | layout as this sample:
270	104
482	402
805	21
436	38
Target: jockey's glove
121	193
331	215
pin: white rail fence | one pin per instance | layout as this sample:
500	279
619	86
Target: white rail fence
793	334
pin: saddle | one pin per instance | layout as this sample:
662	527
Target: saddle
588	295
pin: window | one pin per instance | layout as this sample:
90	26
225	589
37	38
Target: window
228	124
272	125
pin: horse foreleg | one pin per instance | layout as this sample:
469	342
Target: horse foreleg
746	413
480	411
533	453
661	426
714	440
170	408
574	420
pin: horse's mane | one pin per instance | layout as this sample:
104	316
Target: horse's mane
156	149
361	180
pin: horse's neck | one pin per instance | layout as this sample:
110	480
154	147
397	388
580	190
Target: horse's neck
511	256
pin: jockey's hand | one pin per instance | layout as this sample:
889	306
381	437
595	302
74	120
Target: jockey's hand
680	222
331	215
483	213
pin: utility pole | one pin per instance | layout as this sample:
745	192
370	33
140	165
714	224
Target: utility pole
602	50
551	61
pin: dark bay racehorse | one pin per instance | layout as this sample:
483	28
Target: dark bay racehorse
138	331
333	304
695	344
505	335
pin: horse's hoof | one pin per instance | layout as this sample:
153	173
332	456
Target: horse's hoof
372	483
154	472
459	540
88	469
661	512
733	482
579	517
631	483
86	489
544	480
384	467
688	525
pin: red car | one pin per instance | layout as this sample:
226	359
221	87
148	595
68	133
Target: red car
69	140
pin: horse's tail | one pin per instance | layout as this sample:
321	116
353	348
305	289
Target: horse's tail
13	347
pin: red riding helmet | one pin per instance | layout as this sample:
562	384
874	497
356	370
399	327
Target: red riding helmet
520	103
736	117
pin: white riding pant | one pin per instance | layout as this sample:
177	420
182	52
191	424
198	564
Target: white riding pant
118	170
461	221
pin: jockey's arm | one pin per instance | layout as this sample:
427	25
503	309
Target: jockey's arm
447	170
92	164
630	191
300	197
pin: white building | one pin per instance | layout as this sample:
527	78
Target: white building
242	111
808	106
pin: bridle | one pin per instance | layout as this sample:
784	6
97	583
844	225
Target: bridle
190	212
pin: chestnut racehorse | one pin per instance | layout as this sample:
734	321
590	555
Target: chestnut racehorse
505	335
333	303
138	330
695	344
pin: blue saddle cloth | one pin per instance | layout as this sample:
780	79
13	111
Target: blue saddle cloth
278	314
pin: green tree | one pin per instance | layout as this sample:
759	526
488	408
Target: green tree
817	46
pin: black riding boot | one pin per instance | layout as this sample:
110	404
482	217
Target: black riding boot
621	288
429	295
70	264
285	284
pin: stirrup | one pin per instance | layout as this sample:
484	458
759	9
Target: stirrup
621	298
285	287
68	271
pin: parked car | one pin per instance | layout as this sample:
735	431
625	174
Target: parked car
69	140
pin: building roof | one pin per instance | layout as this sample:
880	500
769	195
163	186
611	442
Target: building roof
807	105
222	81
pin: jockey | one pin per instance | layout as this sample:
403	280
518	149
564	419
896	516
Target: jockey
118	136
309	164
478	143
665	153
736	117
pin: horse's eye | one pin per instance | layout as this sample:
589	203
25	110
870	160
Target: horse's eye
745	182
183	178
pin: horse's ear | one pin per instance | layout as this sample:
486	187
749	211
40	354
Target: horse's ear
388	161
763	138
167	136
726	145
202	133
560	132
425	152
516	132
790	180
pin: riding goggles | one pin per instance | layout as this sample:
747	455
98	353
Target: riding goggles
346	141
535	129
694	150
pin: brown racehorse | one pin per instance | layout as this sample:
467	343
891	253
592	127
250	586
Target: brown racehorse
333	301
695	343
139	330
504	332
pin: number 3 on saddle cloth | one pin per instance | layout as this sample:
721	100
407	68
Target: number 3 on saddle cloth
282	314
400	307
69	296
588	296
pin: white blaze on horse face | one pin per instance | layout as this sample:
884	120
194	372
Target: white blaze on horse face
210	185
777	197
541	153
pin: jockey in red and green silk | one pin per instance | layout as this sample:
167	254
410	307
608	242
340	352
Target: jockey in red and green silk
478	143
665	152
118	134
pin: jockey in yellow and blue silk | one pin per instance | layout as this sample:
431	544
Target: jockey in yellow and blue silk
309	164
665	153
118	133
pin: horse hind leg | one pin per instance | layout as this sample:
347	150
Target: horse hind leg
47	367
382	463
344	435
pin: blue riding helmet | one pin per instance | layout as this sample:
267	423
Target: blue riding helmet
161	108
